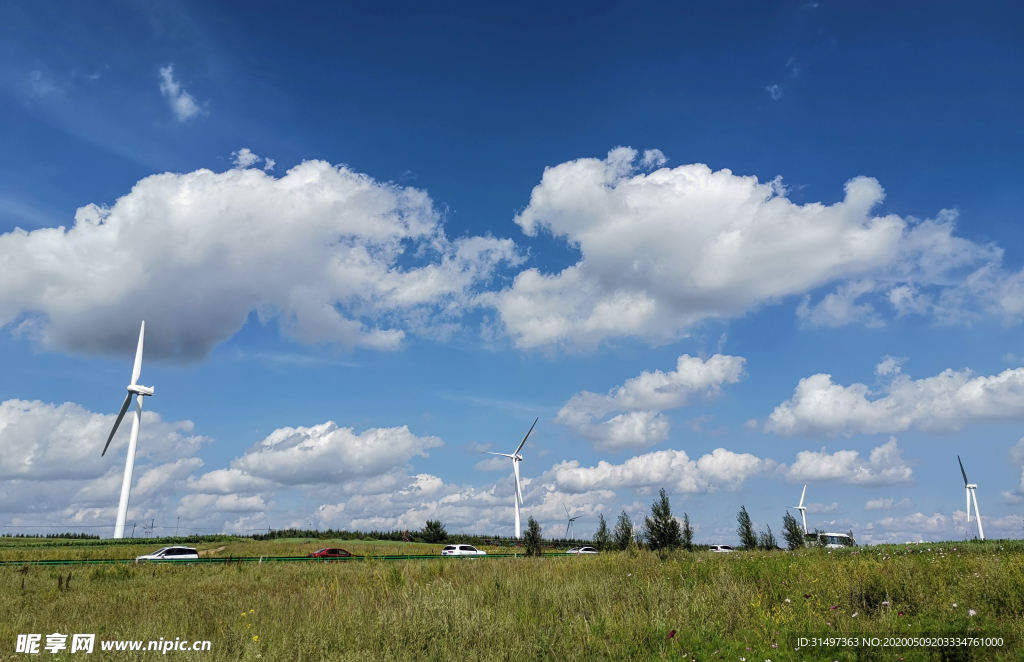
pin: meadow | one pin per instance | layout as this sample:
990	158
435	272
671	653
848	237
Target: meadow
614	606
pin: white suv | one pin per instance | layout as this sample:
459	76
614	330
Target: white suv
461	550
170	554
721	548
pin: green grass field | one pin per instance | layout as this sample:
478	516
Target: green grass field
616	606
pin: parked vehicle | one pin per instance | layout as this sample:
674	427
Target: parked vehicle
461	550
722	548
830	540
331	553
171	554
582	550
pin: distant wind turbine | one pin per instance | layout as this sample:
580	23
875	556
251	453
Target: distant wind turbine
971	493
569	526
516	459
802	508
138	392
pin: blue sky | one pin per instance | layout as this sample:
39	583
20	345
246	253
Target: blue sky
459	219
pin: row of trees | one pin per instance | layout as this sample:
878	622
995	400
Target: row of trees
660	531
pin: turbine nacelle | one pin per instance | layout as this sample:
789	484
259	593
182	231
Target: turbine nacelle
140	390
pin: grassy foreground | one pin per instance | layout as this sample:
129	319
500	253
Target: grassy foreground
618	606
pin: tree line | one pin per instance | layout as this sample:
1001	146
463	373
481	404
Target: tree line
67	536
661	531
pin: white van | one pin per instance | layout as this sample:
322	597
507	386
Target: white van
832	540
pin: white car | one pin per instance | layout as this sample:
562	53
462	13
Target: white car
170	554
722	548
461	550
582	550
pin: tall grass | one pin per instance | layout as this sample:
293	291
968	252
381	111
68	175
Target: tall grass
615	606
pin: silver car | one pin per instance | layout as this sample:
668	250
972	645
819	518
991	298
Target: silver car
582	550
171	554
461	550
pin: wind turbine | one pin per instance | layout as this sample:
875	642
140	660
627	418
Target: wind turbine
802	508
516	459
971	487
569	525
138	392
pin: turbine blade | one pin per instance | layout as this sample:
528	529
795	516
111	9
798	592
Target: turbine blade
566	510
523	442
566	530
124	408
501	454
962	470
137	370
967	491
802	495
977	513
519	490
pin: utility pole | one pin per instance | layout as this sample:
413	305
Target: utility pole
133	529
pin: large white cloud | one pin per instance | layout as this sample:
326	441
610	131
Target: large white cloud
884	466
673	469
662	250
641	398
943	403
322	453
333	255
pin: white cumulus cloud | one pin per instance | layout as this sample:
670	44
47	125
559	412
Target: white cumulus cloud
331	254
884	466
673	469
943	403
328	453
663	250
641	398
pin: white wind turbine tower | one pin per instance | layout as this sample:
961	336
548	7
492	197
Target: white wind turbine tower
569	525
802	508
138	392
516	459
971	493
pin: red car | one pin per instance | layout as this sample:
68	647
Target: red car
331	553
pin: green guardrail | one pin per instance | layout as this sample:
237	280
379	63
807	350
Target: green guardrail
259	559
